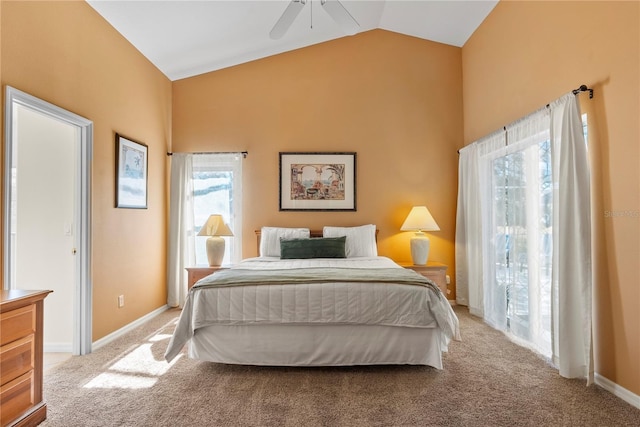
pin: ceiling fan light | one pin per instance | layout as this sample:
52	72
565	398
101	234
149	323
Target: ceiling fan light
341	15
288	16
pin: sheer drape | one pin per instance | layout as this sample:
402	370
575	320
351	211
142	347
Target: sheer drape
181	253
523	234
468	249
515	221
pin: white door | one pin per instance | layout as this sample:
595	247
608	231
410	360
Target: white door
44	200
46	232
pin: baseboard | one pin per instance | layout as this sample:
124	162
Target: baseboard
58	347
615	389
117	334
476	312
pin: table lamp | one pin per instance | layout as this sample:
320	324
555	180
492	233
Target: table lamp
419	220
215	227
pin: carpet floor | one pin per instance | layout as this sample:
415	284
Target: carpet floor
487	381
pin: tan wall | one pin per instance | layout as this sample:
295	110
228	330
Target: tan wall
526	54
393	99
66	54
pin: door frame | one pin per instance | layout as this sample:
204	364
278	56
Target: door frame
82	307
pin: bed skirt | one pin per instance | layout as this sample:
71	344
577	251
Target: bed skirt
318	345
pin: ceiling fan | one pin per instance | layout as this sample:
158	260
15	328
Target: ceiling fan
333	7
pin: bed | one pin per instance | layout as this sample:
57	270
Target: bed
316	301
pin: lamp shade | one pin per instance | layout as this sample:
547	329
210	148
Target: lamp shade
215	227
419	220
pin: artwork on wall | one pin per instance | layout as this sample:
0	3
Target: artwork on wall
131	173
317	181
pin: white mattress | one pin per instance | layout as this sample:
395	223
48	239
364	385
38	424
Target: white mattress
338	303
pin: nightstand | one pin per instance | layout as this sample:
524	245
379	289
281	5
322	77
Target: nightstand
433	270
196	273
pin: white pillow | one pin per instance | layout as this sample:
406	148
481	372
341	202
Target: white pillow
270	238
361	241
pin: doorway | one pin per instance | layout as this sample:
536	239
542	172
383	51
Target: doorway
46	214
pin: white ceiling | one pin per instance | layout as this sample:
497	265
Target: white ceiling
184	38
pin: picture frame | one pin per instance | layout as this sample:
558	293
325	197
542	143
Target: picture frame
131	173
317	181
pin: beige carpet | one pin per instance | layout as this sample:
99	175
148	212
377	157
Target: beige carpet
487	381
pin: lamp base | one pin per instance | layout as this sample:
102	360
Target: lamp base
420	248
215	250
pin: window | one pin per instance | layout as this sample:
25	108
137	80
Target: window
217	189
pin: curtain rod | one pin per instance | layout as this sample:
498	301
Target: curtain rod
244	153
582	88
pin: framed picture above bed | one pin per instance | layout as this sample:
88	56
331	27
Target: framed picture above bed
318	181
131	173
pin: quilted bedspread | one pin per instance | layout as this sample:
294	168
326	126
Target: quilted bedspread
356	291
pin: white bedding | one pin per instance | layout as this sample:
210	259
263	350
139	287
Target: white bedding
317	345
337	303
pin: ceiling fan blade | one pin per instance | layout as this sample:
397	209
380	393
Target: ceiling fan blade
287	18
341	15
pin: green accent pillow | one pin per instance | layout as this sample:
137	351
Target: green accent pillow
321	247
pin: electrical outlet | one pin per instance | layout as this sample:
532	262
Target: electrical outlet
120	301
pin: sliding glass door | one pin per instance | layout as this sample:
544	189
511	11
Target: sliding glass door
518	227
521	224
523	234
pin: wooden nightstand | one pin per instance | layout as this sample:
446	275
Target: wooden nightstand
196	273
433	270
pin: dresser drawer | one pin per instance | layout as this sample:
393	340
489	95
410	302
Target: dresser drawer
17	358
17	397
17	323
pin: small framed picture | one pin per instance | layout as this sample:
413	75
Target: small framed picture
317	181
131	173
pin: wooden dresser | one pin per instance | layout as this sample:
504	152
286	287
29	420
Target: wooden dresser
21	323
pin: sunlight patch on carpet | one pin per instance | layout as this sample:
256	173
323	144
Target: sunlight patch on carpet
137	369
115	380
141	361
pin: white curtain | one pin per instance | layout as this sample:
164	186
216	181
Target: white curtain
468	248
523	259
181	253
572	279
514	227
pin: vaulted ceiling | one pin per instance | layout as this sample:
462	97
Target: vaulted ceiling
184	38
